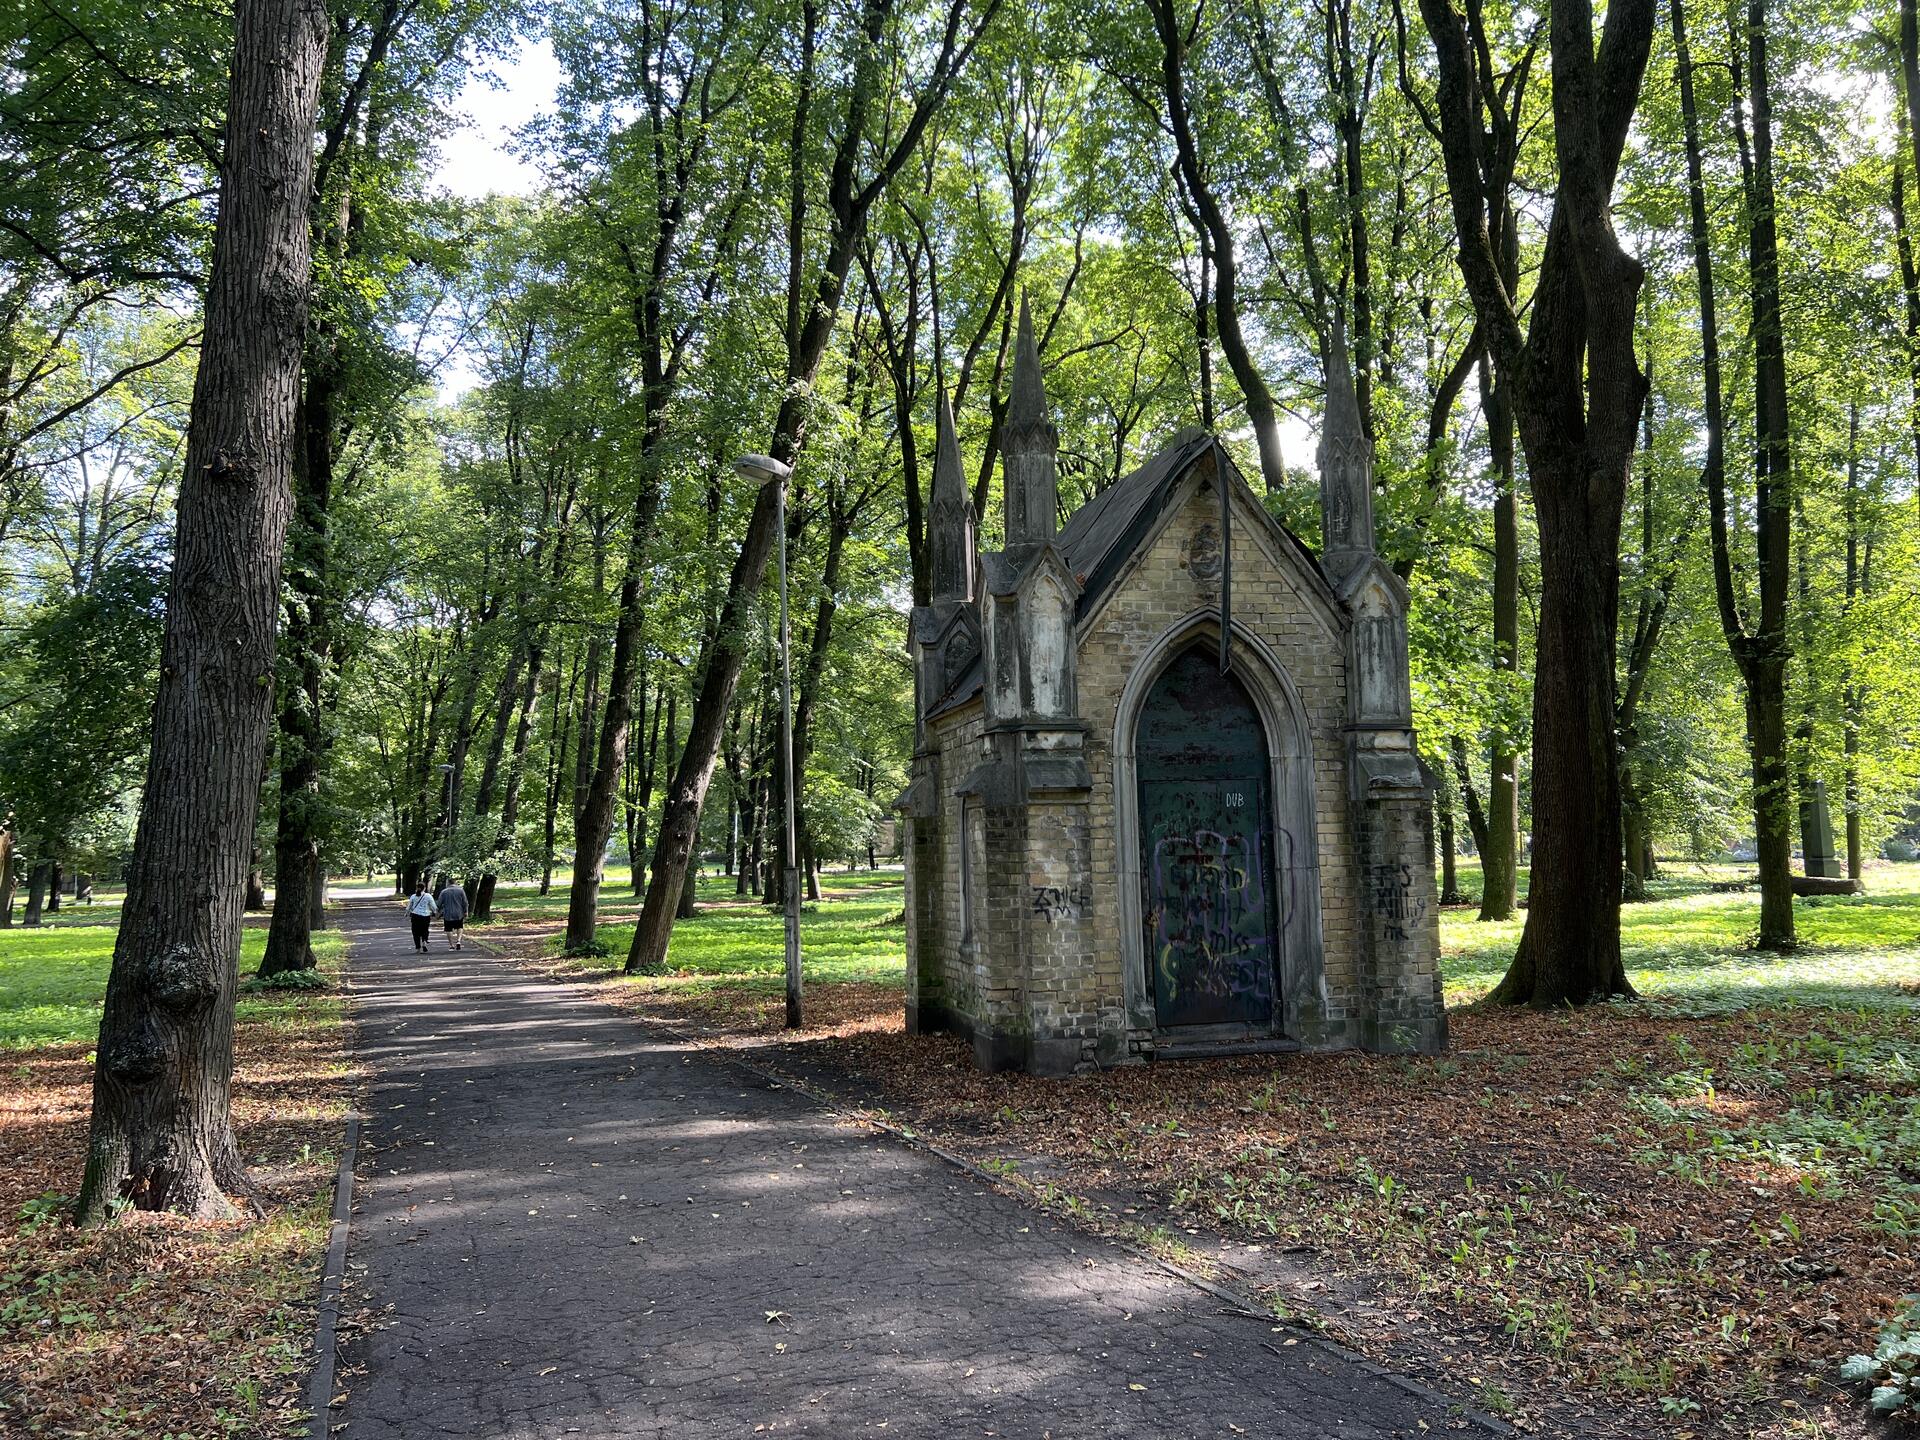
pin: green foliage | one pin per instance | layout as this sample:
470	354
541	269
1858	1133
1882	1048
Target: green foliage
81	673
1893	1369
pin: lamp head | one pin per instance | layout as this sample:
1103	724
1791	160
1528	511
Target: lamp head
762	469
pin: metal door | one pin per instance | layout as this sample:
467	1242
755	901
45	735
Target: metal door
1207	852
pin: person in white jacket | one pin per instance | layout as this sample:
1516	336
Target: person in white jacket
421	908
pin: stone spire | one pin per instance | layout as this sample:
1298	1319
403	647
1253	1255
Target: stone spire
950	520
1028	446
1346	471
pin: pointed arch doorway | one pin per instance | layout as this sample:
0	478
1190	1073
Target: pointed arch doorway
1211	910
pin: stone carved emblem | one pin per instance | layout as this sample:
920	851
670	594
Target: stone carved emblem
1203	553
960	651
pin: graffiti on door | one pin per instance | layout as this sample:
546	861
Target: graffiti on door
1212	910
1210	853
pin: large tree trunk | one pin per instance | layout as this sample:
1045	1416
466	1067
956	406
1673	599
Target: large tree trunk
161	1136
56	887
1577	396
1570	950
680	817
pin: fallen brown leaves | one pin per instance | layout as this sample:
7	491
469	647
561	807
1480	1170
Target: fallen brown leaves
156	1325
1519	1215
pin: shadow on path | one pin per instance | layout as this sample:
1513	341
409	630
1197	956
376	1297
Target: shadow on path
584	1228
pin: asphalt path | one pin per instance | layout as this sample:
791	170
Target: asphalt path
571	1224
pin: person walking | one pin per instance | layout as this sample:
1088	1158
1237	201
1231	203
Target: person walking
453	911
421	908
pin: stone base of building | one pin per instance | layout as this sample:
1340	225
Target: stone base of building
1425	1036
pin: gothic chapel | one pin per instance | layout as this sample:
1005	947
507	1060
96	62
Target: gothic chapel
1165	799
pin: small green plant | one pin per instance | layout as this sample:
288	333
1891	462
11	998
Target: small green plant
286	980
1893	1370
41	1209
592	950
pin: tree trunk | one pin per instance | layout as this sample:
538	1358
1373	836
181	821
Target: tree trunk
302	717
1577	396
812	676
689	890
1262	413
256	882
595	825
1448	847
1771	650
1633	829
813	294
1570	950
1852	702
1909	151
585	745
642	805
559	726
516	775
680	818
161	1136
1500	855
56	887
37	881
1760	652
1469	797
743	860
317	895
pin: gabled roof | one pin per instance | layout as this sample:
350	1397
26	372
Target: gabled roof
1103	534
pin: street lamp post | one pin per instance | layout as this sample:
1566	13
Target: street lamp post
768	471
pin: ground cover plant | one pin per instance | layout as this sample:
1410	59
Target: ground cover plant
155	1326
1679	1215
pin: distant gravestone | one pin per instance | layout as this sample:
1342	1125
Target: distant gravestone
1816	834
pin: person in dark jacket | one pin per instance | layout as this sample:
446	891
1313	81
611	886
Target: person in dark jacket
453	911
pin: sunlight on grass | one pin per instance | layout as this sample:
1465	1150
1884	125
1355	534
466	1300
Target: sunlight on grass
1691	945
854	935
1696	944
53	980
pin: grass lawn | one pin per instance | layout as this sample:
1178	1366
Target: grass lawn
153	1326
1675	1216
